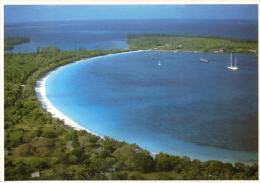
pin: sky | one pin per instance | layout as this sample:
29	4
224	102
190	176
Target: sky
28	13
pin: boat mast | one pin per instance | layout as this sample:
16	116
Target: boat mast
236	62
231	59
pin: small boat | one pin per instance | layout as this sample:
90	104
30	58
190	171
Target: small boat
159	63
204	59
233	67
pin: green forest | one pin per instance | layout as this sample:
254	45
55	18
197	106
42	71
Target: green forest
190	43
35	142
11	41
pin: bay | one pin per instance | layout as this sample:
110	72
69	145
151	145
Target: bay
183	107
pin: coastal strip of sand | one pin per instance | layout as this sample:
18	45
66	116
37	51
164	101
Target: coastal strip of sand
41	94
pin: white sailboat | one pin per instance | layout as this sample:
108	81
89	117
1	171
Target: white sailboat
233	67
159	63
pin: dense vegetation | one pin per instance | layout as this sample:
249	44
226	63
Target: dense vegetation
49	49
37	142
177	42
9	42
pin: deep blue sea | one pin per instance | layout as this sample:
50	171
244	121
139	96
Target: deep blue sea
184	107
110	34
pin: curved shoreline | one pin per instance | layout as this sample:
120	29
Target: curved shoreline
46	104
41	94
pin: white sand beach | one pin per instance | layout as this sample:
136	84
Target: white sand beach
41	94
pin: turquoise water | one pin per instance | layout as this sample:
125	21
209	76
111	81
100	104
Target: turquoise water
183	107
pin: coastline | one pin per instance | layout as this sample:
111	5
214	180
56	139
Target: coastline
46	104
41	94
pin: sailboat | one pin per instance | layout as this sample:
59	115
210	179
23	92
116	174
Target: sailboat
159	63
233	67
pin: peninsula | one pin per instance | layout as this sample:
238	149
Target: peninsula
11	41
190	43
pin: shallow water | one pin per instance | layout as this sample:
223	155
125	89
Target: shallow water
183	107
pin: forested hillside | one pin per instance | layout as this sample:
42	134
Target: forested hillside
34	141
